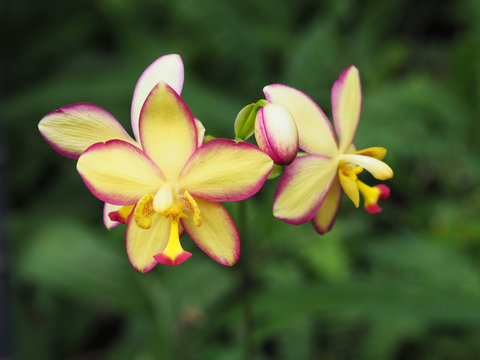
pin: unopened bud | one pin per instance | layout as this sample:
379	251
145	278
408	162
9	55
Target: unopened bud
276	133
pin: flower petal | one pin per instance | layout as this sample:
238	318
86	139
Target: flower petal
217	236
303	187
168	132
325	217
71	129
315	131
223	170
376	152
350	186
347	106
377	168
143	245
169	69
114	215
118	173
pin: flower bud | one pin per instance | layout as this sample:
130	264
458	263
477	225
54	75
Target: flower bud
276	133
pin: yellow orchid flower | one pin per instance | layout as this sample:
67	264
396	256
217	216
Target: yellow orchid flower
173	184
72	129
311	187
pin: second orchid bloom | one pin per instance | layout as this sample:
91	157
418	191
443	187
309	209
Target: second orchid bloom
311	187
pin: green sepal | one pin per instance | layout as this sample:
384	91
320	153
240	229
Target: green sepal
276	172
245	122
207	138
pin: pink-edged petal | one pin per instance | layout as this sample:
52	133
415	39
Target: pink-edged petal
217	236
118	172
347	106
71	129
169	69
303	188
276	133
144	244
168	133
223	170
325	217
315	131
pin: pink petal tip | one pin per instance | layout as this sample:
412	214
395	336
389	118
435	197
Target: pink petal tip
165	260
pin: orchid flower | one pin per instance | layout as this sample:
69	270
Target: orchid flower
311	187
73	128
171	181
219	170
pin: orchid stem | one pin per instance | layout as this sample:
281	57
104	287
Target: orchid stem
246	283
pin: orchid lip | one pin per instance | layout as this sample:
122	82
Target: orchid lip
377	168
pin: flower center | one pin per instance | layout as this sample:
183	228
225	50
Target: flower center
169	203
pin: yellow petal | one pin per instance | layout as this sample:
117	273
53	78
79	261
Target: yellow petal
303	187
223	170
143	245
350	186
315	131
169	69
217	236
377	168
325	217
167	130
346	106
73	128
375	152
118	173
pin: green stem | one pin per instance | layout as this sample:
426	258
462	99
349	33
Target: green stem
246	283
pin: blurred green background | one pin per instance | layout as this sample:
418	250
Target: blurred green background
402	284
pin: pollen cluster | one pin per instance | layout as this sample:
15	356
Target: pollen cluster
166	202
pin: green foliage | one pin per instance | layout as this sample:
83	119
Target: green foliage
403	284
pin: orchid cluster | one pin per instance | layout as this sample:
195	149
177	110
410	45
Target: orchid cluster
170	178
